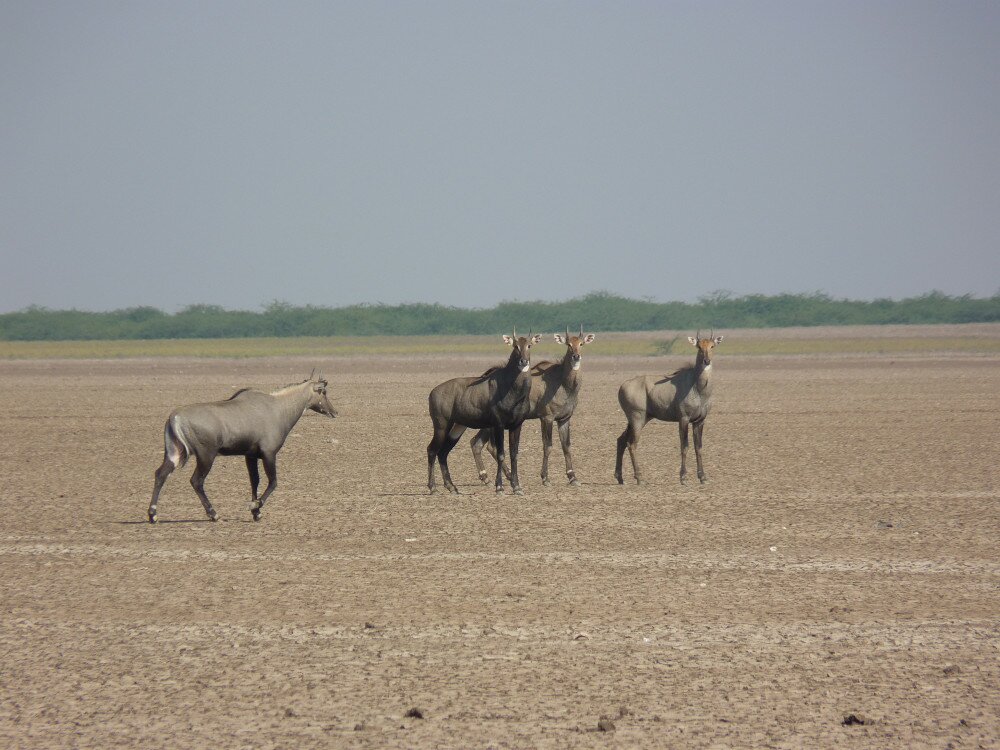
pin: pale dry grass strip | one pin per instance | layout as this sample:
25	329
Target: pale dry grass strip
885	340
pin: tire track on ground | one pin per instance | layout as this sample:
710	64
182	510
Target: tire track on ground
611	559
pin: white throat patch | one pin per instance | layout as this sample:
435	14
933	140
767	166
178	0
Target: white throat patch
576	365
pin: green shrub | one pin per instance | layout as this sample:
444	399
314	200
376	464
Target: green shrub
598	311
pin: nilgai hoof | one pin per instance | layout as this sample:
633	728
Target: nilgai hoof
152	518
518	491
546	482
484	477
213	516
574	482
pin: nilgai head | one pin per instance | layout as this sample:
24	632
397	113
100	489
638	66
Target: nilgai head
574	343
521	345
705	346
319	401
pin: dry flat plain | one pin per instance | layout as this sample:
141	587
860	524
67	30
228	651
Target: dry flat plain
841	562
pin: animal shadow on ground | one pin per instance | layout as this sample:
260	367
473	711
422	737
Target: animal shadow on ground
145	522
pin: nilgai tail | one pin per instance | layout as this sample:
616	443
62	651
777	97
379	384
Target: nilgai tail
684	397
248	423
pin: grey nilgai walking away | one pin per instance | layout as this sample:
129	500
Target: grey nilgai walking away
497	400
249	423
684	397
555	387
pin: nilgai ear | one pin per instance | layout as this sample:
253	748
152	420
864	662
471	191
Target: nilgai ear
718	339
588	338
693	340
559	338
508	339
536	338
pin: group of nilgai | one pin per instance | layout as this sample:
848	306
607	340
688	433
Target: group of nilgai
254	424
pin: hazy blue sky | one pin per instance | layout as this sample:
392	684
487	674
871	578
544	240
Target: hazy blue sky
170	153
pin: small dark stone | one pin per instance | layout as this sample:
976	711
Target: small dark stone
414	713
624	711
857	719
359	727
289	713
952	669
369	626
605	725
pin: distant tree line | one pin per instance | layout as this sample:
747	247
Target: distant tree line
596	311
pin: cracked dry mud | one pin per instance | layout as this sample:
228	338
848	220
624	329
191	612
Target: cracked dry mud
842	560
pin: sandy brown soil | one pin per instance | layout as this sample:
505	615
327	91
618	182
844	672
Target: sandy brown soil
842	560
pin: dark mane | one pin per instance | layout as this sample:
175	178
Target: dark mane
675	373
300	382
543	366
241	390
486	375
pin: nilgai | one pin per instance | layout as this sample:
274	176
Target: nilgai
249	423
497	400
684	397
555	387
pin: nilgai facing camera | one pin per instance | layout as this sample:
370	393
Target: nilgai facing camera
684	396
